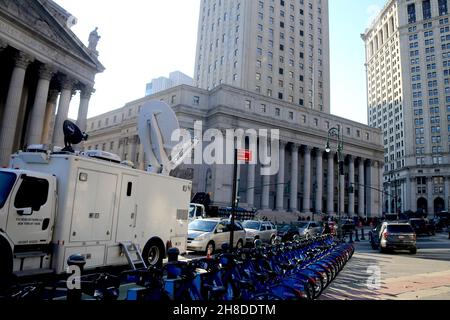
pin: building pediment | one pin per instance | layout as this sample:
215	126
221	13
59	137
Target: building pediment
40	19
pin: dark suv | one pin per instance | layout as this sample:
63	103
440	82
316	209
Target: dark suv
420	226
394	236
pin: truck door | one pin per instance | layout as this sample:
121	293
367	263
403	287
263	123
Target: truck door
127	209
32	210
93	206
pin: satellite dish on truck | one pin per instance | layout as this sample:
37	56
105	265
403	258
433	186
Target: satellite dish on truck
157	122
72	135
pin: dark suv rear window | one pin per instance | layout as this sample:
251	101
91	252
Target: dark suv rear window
400	229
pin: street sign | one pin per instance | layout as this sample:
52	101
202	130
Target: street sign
245	155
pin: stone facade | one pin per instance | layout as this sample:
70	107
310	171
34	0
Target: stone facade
307	180
43	64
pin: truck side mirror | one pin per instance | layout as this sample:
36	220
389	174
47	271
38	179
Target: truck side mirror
25	211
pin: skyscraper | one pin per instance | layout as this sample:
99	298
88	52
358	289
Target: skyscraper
408	87
278	48
176	78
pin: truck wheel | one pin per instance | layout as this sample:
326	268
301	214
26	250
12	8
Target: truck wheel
153	253
413	251
6	265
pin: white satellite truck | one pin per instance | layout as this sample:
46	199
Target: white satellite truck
54	205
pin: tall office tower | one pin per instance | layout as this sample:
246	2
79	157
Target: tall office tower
277	48
408	78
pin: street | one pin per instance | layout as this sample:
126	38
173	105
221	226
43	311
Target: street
424	276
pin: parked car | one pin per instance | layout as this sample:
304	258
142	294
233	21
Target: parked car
394	236
309	229
420	226
208	235
287	232
262	230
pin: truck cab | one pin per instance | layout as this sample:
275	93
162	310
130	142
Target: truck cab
27	216
196	211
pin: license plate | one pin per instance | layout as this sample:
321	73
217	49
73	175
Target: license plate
401	237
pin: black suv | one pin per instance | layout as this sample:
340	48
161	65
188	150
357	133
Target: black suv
420	227
393	236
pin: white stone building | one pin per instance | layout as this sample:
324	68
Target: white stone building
277	48
308	177
408	76
43	64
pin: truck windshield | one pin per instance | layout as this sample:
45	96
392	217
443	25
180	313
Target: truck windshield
7	180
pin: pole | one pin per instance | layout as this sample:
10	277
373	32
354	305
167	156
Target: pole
233	203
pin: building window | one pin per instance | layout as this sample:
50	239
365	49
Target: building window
196	100
263	108
277	112
411	13
248	104
443	9
291	115
426	7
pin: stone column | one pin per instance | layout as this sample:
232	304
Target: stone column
11	111
133	152
372	210
380	187
3	45
342	194
413	201
266	193
85	96
37	119
280	178
294	179
49	117
63	111
361	189
319	183
307	181
330	184
351	177
430	195
251	185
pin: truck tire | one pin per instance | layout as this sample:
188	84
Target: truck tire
6	264
153	253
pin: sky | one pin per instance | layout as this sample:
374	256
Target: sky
146	39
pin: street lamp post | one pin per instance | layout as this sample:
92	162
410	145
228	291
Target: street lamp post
336	133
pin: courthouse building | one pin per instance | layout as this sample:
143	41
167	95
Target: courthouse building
42	65
308	177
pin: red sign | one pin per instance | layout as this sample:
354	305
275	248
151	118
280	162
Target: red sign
244	155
